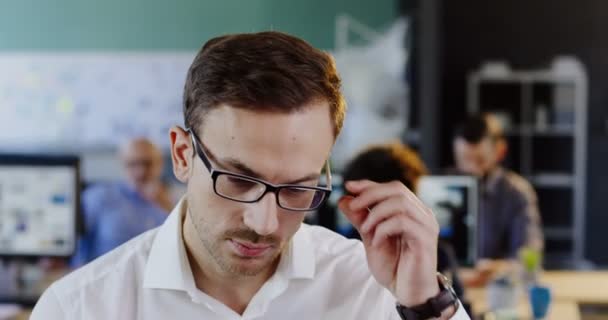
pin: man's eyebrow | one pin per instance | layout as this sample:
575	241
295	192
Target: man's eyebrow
245	170
310	177
230	163
240	167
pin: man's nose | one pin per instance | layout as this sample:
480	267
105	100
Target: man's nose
262	217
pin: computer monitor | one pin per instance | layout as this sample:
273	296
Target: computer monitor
39	201
455	202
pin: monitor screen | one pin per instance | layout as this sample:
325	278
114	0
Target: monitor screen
38	206
455	202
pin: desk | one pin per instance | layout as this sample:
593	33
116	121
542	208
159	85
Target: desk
568	288
560	310
582	287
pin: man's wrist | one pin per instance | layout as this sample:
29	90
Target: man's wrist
443	304
446	314
449	312
420	297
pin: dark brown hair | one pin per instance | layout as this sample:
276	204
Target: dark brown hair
478	127
386	163
266	71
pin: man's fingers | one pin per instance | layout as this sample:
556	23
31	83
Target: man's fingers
376	204
384	210
394	226
357	186
371	196
398	225
356	217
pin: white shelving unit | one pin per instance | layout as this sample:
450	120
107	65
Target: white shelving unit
545	114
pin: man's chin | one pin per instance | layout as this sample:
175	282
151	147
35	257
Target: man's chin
251	266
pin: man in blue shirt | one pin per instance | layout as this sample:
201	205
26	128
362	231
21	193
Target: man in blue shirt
116	212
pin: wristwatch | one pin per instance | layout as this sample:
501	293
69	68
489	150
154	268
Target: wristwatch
433	307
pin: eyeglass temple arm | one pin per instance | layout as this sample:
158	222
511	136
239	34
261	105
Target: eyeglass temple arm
199	149
328	173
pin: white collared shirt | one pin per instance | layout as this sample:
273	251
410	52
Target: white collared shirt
322	275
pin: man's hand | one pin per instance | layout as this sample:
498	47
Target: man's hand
400	236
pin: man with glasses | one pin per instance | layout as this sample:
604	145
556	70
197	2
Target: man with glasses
262	112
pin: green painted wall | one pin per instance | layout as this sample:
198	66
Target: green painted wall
178	24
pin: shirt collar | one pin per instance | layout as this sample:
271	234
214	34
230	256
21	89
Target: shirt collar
298	262
491	182
168	268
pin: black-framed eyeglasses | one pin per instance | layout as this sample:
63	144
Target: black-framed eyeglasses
242	188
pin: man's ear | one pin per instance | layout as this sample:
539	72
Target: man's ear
501	149
181	153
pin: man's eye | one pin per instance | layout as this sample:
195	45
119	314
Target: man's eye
295	191
241	183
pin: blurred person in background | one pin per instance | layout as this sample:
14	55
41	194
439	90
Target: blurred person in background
116	212
509	218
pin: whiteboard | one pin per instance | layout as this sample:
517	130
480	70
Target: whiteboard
88	101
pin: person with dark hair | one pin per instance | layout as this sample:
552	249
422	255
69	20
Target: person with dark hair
385	163
397	162
509	218
262	112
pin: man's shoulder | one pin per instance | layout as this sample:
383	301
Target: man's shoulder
330	246
330	241
101	191
342	269
120	266
518	185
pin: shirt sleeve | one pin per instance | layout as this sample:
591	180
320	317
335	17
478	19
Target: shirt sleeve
460	314
48	307
85	246
525	227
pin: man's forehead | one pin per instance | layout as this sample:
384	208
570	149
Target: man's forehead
230	122
139	146
278	147
229	111
484	142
